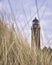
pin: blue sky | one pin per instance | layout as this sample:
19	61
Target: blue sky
25	11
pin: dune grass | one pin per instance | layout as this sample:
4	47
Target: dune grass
15	50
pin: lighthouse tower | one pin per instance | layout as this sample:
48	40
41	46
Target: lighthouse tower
35	34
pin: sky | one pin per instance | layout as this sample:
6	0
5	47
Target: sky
25	11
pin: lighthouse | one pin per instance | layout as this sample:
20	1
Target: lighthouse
35	34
